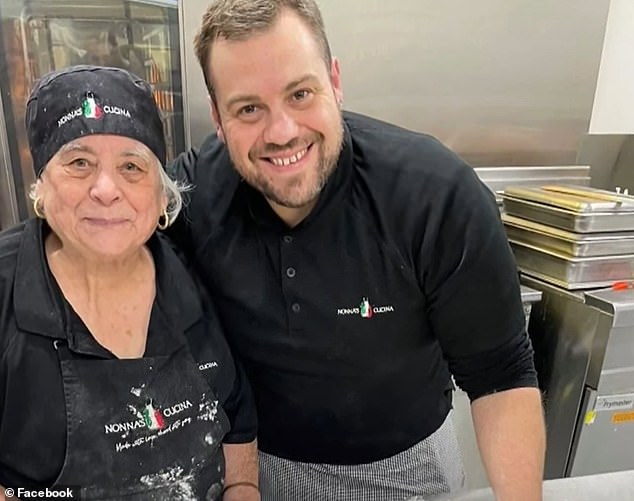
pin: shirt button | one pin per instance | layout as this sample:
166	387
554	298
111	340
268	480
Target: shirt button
290	272
296	307
288	239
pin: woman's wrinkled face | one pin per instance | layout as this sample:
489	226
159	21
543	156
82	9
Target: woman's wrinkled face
101	195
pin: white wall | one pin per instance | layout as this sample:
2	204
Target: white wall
502	82
613	109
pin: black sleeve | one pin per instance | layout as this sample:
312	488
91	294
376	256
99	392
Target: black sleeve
503	368
240	409
470	280
225	377
224	374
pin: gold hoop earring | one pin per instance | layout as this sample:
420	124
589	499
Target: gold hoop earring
38	209
166	220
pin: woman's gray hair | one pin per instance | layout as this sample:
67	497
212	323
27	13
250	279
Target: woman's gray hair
173	191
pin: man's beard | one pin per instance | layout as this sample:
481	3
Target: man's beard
295	194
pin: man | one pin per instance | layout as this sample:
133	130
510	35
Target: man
355	265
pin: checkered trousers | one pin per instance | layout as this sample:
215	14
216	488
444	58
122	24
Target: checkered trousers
432	466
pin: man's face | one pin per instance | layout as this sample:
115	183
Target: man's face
277	109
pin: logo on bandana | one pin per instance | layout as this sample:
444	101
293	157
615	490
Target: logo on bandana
90	108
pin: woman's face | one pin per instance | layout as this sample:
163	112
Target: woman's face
101	195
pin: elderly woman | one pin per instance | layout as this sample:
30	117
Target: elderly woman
114	372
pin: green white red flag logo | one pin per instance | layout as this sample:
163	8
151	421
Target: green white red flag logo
365	308
153	418
90	108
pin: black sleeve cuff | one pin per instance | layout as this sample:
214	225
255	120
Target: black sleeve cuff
240	409
239	438
508	366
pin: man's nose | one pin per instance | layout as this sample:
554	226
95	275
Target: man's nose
281	127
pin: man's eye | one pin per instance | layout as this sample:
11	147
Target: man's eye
249	109
300	95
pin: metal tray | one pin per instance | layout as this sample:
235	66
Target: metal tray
567	219
566	242
572	272
580	199
574	208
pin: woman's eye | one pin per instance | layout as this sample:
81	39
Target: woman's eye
131	167
80	163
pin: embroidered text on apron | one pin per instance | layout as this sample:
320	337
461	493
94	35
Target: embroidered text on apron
141	429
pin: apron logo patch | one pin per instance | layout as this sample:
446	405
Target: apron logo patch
365	309
149	417
153	422
153	418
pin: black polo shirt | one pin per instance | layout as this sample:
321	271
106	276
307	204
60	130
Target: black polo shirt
349	323
33	314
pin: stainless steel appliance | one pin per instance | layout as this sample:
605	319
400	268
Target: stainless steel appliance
584	344
568	238
38	36
499	178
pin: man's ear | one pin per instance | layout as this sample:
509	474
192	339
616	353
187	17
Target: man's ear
215	117
335	81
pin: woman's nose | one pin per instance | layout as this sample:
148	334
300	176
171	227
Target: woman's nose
105	188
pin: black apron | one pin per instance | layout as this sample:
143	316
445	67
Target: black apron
141	429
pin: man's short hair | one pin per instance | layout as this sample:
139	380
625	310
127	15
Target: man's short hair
241	19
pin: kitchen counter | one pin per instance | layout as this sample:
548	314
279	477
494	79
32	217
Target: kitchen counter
614	486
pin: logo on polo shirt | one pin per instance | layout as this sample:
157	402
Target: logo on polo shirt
365	309
91	109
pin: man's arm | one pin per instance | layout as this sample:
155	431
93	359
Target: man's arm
241	472
510	432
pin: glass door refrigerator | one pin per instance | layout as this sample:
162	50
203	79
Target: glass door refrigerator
38	36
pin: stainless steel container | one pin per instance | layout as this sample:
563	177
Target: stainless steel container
572	236
567	242
572	272
571	208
